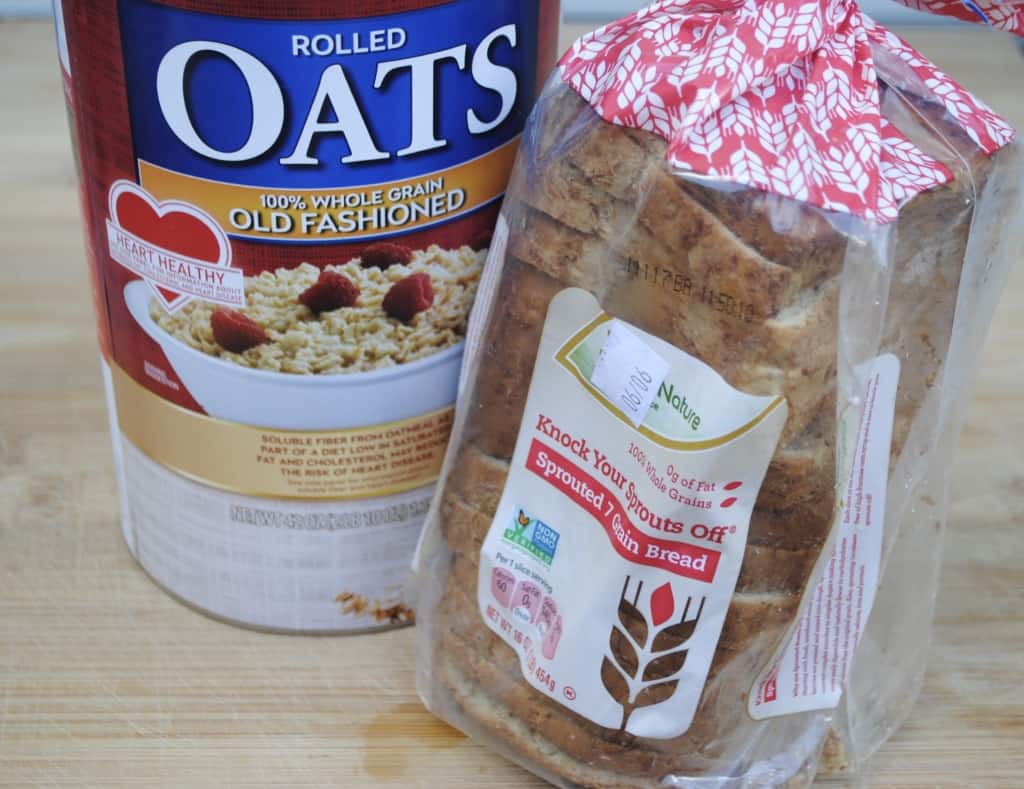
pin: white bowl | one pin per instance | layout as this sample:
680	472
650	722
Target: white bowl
303	402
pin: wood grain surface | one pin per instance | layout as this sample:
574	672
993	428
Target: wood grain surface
105	681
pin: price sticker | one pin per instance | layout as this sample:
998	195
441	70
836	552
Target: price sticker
629	372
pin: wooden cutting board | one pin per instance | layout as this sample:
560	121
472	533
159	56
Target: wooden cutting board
105	681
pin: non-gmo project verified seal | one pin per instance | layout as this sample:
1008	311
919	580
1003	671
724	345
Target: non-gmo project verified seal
533	536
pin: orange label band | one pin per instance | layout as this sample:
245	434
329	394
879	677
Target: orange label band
364	462
335	214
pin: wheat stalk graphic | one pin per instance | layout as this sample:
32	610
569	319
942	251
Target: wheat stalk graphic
645	661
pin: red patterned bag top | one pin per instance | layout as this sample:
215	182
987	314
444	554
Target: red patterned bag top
781	96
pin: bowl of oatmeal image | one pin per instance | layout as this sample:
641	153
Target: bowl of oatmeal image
366	342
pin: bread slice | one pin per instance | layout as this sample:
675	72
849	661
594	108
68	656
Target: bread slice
508	353
477	477
650	232
620	161
792	353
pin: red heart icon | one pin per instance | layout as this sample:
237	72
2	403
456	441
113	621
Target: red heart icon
173	226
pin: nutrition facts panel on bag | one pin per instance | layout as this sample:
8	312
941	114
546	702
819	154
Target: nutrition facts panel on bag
812	670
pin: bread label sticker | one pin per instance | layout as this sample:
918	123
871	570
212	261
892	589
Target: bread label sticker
811	670
614	552
629	372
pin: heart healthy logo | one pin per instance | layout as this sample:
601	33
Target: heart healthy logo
533	536
180	251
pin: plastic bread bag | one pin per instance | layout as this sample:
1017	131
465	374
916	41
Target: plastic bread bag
689	527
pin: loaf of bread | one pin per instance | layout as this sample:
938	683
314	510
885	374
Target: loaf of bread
762	289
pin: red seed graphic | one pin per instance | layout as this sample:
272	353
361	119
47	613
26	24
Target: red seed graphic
663	604
729	502
733	485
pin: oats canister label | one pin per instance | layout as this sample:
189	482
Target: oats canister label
329	130
288	209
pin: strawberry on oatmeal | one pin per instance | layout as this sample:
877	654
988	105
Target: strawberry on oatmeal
377	311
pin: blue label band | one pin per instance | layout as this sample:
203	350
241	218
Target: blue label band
316	104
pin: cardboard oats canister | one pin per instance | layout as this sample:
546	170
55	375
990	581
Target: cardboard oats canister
287	210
